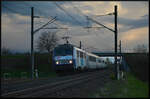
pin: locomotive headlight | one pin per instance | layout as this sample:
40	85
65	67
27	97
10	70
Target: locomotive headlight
70	61
57	62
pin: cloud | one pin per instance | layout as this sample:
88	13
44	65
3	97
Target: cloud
135	34
85	8
135	9
134	23
15	36
132	20
135	37
101	7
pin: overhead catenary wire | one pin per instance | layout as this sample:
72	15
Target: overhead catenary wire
42	13
49	22
43	16
58	25
73	18
102	26
86	17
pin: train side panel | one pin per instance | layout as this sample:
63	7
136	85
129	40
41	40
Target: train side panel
100	63
80	58
91	61
88	60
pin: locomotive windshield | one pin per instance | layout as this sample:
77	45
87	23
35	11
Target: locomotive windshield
63	50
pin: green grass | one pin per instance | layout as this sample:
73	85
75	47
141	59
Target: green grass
136	87
14	56
14	73
17	74
43	70
129	88
21	63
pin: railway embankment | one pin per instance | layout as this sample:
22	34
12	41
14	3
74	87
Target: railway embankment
131	87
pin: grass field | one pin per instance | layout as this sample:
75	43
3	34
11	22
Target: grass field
129	88
18	66
26	74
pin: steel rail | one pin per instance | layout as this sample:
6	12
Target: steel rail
41	79
21	92
61	86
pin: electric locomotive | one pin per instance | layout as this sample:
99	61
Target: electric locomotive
69	57
63	57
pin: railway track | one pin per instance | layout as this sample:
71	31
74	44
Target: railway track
12	87
53	87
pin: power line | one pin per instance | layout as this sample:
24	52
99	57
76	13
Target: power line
38	10
88	27
78	10
49	22
61	8
56	23
101	24
94	20
42	13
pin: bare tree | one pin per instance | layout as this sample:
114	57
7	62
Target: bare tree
47	41
140	49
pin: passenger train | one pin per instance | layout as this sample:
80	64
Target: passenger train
69	57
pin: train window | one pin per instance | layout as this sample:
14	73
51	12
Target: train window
84	55
99	61
91	58
62	50
81	54
77	53
94	59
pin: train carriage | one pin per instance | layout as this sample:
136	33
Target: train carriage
80	58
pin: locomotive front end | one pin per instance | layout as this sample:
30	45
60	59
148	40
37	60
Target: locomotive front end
63	57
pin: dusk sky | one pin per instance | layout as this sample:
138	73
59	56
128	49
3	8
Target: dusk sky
133	23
